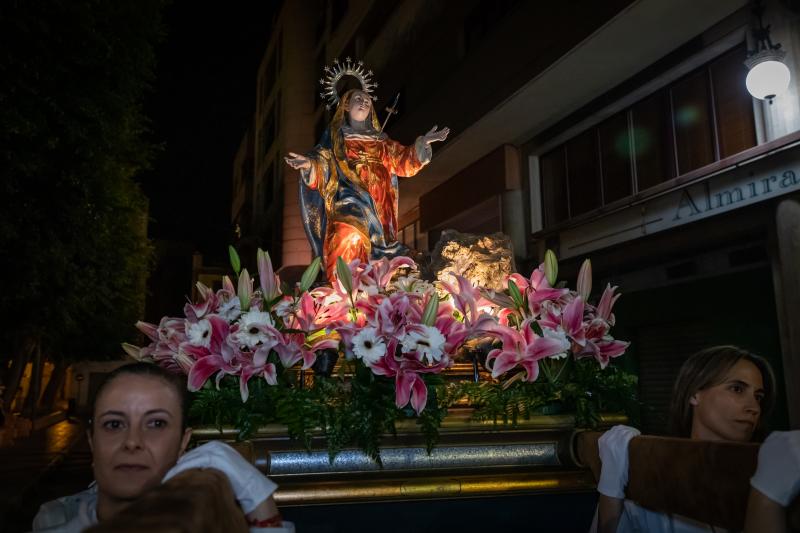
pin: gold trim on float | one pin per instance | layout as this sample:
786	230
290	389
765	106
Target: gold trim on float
328	492
457	420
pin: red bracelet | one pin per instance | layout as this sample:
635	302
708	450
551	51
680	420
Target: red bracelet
273	521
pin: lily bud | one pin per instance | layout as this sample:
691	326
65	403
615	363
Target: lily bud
245	290
151	330
431	309
269	286
203	291
551	267
227	285
344	275
234	257
584	286
310	274
133	351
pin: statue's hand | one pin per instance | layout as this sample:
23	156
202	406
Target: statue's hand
436	135
298	162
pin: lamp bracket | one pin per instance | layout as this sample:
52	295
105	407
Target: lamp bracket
761	33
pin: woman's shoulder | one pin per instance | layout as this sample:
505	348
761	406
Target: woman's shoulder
68	513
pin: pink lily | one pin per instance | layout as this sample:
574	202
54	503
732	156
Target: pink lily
607	301
255	366
410	387
604	350
537	289
408	384
466	298
313	313
388	314
572	321
347	330
523	348
217	358
207	305
294	348
379	273
205	367
454	331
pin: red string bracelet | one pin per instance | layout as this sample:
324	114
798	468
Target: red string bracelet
273	521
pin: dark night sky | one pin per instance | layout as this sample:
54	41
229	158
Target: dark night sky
203	100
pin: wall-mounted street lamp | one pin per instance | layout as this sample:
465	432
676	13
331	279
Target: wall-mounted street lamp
768	75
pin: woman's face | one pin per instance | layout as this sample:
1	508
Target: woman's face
359	106
136	435
731	409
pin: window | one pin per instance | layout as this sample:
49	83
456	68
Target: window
615	157
734	107
554	186
700	118
652	140
694	142
583	173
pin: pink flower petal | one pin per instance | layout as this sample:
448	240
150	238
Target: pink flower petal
203	369
531	369
419	394
504	362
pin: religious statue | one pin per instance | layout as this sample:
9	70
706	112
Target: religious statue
348	190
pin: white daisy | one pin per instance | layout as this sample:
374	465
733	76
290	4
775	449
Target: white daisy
369	346
284	307
230	310
427	341
252	328
199	333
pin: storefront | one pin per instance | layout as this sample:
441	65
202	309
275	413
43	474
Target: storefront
684	191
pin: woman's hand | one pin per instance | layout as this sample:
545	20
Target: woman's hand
775	484
435	135
613	451
299	162
250	486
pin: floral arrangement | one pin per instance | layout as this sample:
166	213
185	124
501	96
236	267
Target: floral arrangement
242	346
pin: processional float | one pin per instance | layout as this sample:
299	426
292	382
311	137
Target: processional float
384	382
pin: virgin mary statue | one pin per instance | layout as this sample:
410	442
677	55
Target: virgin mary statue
348	190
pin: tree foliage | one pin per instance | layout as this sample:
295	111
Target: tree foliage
73	246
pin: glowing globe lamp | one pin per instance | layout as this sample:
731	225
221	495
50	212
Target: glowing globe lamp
768	76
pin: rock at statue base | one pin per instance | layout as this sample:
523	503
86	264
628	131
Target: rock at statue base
485	260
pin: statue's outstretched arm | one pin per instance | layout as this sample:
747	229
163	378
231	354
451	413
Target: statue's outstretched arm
297	161
435	135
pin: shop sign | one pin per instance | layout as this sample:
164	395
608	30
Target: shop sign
772	176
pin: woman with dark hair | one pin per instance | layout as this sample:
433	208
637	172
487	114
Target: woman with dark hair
722	393
138	434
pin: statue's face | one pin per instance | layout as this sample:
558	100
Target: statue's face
359	106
